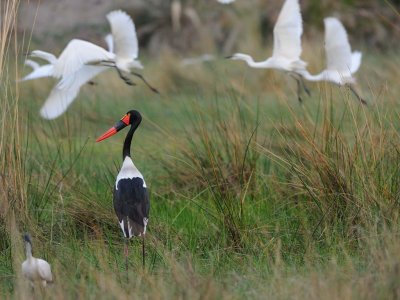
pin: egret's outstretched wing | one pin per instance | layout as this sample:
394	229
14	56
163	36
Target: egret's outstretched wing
51	58
288	30
39	72
337	47
110	42
62	95
355	61
76	55
31	63
124	34
225	1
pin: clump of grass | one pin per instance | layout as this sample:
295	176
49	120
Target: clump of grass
345	172
218	157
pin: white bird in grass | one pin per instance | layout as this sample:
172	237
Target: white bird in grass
287	45
35	269
81	61
341	62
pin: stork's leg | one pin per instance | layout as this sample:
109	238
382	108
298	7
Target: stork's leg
126	253
143	252
145	81
359	98
124	78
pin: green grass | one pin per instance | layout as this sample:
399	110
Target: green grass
252	194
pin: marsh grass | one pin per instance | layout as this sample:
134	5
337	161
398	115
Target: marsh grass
344	171
217	159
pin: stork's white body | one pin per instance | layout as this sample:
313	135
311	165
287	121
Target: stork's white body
129	171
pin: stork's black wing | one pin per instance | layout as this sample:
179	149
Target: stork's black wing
132	206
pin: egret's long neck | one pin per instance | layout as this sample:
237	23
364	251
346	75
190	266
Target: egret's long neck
250	61
128	140
318	77
28	250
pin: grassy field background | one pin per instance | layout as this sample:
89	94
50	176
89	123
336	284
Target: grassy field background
252	194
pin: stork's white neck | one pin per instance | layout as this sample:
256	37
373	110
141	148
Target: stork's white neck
129	171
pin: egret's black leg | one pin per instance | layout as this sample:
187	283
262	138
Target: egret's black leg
145	81
359	98
124	78
298	89
143	252
298	86
103	63
305	88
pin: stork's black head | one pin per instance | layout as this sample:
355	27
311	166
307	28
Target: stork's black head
132	117
27	238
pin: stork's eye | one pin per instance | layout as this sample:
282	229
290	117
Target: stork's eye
126	118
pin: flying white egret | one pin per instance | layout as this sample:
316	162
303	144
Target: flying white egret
125	43
35	269
80	61
124	59
73	74
287	45
197	60
225	1
131	199
341	62
46	70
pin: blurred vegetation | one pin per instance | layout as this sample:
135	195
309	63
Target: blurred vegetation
204	26
201	26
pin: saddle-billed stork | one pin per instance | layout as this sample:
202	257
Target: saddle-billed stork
131	199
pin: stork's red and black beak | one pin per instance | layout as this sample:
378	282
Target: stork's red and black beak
125	121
